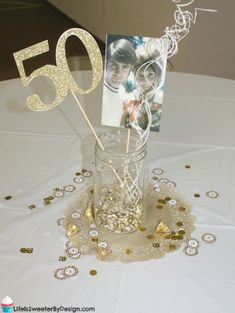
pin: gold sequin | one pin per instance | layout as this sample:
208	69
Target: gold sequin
197	195
150	237
181	232
182	209
155	245
179	224
187	166
167	198
93	272
32	206
162	201
62	258
23	250
172	247
127	251
142	228
78	174
159	206
8	197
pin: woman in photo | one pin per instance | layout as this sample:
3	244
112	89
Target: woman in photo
148	76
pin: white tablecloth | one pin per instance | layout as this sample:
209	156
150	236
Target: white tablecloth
41	151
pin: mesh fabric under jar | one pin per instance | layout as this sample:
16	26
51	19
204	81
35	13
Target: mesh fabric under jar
120	182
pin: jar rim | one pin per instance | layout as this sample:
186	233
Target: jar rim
98	147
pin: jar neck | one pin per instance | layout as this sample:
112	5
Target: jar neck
115	147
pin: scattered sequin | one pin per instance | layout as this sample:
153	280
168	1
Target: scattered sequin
76	215
8	197
197	195
87	174
58	193
59	274
212	194
103	244
32	206
73	253
157	171
69	188
194	243
208	238
163	180
190	251
62	258
187	166
70	271
93	233
23	250
93	272
172	202
78	180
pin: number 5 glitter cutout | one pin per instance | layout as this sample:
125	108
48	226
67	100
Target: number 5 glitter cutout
60	74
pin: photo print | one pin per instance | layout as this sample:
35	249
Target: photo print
134	79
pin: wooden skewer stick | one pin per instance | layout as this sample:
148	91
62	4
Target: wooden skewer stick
94	132
128	140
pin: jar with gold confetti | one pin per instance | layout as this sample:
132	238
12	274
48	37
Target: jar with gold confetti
121	177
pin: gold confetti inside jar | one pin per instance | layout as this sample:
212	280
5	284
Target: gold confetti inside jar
121	177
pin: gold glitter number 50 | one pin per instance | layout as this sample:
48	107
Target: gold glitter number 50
59	74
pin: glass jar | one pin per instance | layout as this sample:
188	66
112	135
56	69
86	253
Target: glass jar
120	182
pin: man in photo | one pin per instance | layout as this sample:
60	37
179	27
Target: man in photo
120	58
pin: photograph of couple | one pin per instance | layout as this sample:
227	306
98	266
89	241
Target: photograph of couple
133	79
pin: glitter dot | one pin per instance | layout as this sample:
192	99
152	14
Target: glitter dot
159	207
93	272
150	237
179	224
172	247
187	166
8	197
182	209
197	195
142	228
32	206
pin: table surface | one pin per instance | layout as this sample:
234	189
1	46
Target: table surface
44	150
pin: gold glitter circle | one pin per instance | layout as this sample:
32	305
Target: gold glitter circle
182	209
155	245
150	237
187	166
23	250
78	174
127	251
142	228
167	199
197	195
8	197
32	206
93	272
159	207
172	247
179	224
181	232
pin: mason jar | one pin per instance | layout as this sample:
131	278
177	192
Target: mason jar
121	176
